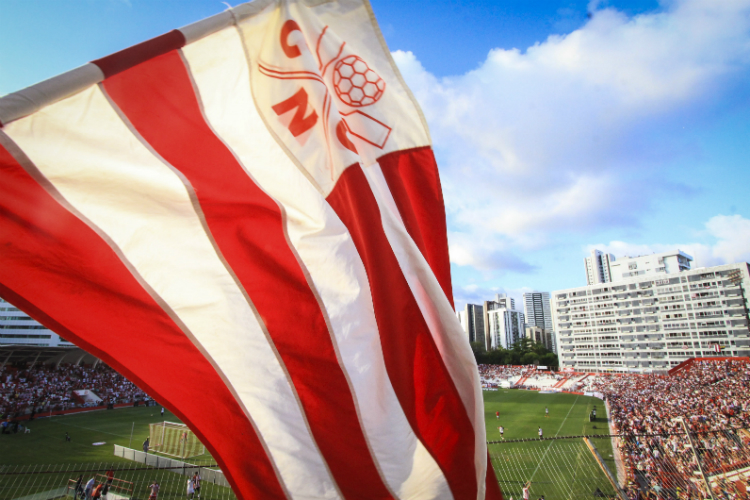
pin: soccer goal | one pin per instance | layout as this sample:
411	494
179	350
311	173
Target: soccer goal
176	440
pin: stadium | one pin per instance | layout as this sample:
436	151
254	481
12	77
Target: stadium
225	268
671	435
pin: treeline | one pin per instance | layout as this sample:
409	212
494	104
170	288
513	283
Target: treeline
523	352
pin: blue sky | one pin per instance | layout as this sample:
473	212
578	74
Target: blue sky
558	126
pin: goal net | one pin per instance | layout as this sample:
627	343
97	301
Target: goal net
173	439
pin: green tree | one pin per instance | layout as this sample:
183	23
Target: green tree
523	352
480	353
530	358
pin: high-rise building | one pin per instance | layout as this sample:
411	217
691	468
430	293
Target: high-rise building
16	327
652	323
650	265
538	313
472	321
539	335
504	326
598	267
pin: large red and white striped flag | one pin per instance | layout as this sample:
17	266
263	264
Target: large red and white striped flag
244	217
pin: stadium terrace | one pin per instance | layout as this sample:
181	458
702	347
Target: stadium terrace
50	388
651	415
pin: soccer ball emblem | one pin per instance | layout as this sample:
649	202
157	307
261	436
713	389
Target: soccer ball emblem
355	83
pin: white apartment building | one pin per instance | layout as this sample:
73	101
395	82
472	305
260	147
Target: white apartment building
472	321
650	265
652	323
538	313
598	267
503	325
17	328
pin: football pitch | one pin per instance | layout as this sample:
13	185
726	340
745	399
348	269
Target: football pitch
557	469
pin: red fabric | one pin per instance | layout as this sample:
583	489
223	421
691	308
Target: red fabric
493	491
51	257
413	179
417	372
132	56
247	225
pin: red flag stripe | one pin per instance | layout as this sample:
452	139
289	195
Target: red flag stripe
132	56
437	312
142	204
417	371
87	289
159	101
328	253
492	487
414	182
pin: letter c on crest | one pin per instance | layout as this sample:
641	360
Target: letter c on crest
291	51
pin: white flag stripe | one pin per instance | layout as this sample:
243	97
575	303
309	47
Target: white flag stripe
329	255
437	312
144	207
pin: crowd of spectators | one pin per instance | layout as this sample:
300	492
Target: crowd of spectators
492	375
496	373
712	397
713	400
51	388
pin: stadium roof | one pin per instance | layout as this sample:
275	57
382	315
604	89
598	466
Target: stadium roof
15	354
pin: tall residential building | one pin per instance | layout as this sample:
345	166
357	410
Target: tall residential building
598	267
650	265
539	335
652	323
472	321
536	307
538	313
504	326
16	327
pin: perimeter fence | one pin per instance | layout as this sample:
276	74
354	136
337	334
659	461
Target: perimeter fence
710	464
131	481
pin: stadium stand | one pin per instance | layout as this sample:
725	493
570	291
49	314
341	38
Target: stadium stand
675	428
30	386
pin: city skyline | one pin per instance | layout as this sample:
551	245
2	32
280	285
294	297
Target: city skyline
559	128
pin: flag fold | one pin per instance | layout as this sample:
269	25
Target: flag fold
245	218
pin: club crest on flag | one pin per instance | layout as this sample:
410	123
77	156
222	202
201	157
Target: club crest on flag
317	88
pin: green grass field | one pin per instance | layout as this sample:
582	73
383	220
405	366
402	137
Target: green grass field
558	469
43	462
46	443
561	469
522	413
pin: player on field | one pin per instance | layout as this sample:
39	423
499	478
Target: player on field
197	484
526	491
497	415
154	490
541	434
190	489
502	432
546	412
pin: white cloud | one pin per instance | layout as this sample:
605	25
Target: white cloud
563	137
485	253
731	244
